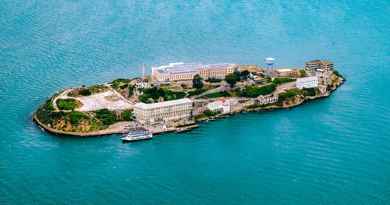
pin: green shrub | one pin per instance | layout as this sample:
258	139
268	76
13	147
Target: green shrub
67	104
131	90
197	82
97	88
233	78
289	94
46	115
106	116
210	113
127	115
217	95
153	94
49	105
309	91
120	83
338	74
85	92
172	95
244	75
279	81
213	80
196	92
254	91
76	117
302	73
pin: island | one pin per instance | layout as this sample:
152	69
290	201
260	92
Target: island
177	96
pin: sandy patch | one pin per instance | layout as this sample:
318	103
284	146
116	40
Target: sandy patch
110	100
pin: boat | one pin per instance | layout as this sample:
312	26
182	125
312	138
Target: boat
136	135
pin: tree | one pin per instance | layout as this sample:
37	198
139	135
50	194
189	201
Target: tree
106	116
282	80
197	82
302	73
127	115
254	91
68	104
244	74
85	92
232	78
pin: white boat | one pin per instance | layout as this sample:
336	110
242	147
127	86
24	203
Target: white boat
137	135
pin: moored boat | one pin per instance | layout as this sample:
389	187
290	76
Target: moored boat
136	135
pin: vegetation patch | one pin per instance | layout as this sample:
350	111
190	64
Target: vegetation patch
85	92
310	91
281	80
302	73
289	94
200	117
338	74
98	88
197	82
75	117
68	104
252	91
106	116
210	113
153	94
120	83
196	92
45	113
127	115
213	80
233	78
217	95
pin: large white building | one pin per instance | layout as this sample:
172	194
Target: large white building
187	71
164	112
307	82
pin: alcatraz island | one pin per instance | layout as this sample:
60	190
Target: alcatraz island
175	97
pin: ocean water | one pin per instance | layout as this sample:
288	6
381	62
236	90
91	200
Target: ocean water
330	151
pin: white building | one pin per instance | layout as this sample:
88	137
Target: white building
223	106
164	112
187	71
307	82
323	76
267	99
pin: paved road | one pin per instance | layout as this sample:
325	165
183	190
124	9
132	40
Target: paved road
281	88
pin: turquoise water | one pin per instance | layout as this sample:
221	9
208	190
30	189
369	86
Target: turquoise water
331	151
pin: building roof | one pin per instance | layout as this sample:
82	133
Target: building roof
319	62
306	79
218	66
189	67
284	70
326	62
314	61
145	106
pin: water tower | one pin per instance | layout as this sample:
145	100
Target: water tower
269	63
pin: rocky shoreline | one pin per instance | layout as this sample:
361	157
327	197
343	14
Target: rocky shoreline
127	104
121	127
274	107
